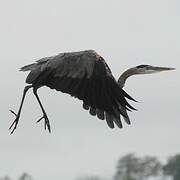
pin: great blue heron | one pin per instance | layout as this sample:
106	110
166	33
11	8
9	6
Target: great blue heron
86	76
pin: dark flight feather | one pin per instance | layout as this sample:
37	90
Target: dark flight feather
109	120
86	76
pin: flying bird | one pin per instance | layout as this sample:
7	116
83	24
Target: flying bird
84	75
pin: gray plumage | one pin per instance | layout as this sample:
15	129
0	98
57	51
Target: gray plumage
86	76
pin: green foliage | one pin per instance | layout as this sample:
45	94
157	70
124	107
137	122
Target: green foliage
172	167
5	178
131	167
24	176
89	178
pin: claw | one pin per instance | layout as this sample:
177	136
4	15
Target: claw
13	112
15	122
46	122
39	119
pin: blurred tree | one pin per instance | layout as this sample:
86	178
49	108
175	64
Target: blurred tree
126	167
5	178
25	176
131	167
172	167
89	178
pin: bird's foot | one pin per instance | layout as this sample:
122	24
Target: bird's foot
46	122
15	122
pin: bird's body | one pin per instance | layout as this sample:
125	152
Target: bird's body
84	75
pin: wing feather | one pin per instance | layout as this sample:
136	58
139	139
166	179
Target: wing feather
85	106
92	111
86	76
117	121
100	114
109	120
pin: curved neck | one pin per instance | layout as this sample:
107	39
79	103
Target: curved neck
122	79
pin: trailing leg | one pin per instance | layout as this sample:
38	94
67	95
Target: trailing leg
15	122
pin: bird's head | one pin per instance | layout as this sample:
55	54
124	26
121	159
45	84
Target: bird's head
148	69
141	69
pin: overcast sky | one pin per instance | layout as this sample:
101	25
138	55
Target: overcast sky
125	33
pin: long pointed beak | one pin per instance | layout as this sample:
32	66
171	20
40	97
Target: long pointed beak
160	69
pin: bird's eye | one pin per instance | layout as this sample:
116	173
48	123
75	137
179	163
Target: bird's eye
141	66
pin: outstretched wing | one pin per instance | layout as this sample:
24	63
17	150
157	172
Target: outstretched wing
86	76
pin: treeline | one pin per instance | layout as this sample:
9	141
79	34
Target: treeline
24	176
132	167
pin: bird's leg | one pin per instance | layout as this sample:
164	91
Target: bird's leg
46	120
15	122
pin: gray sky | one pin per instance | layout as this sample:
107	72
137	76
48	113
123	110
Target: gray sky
125	33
